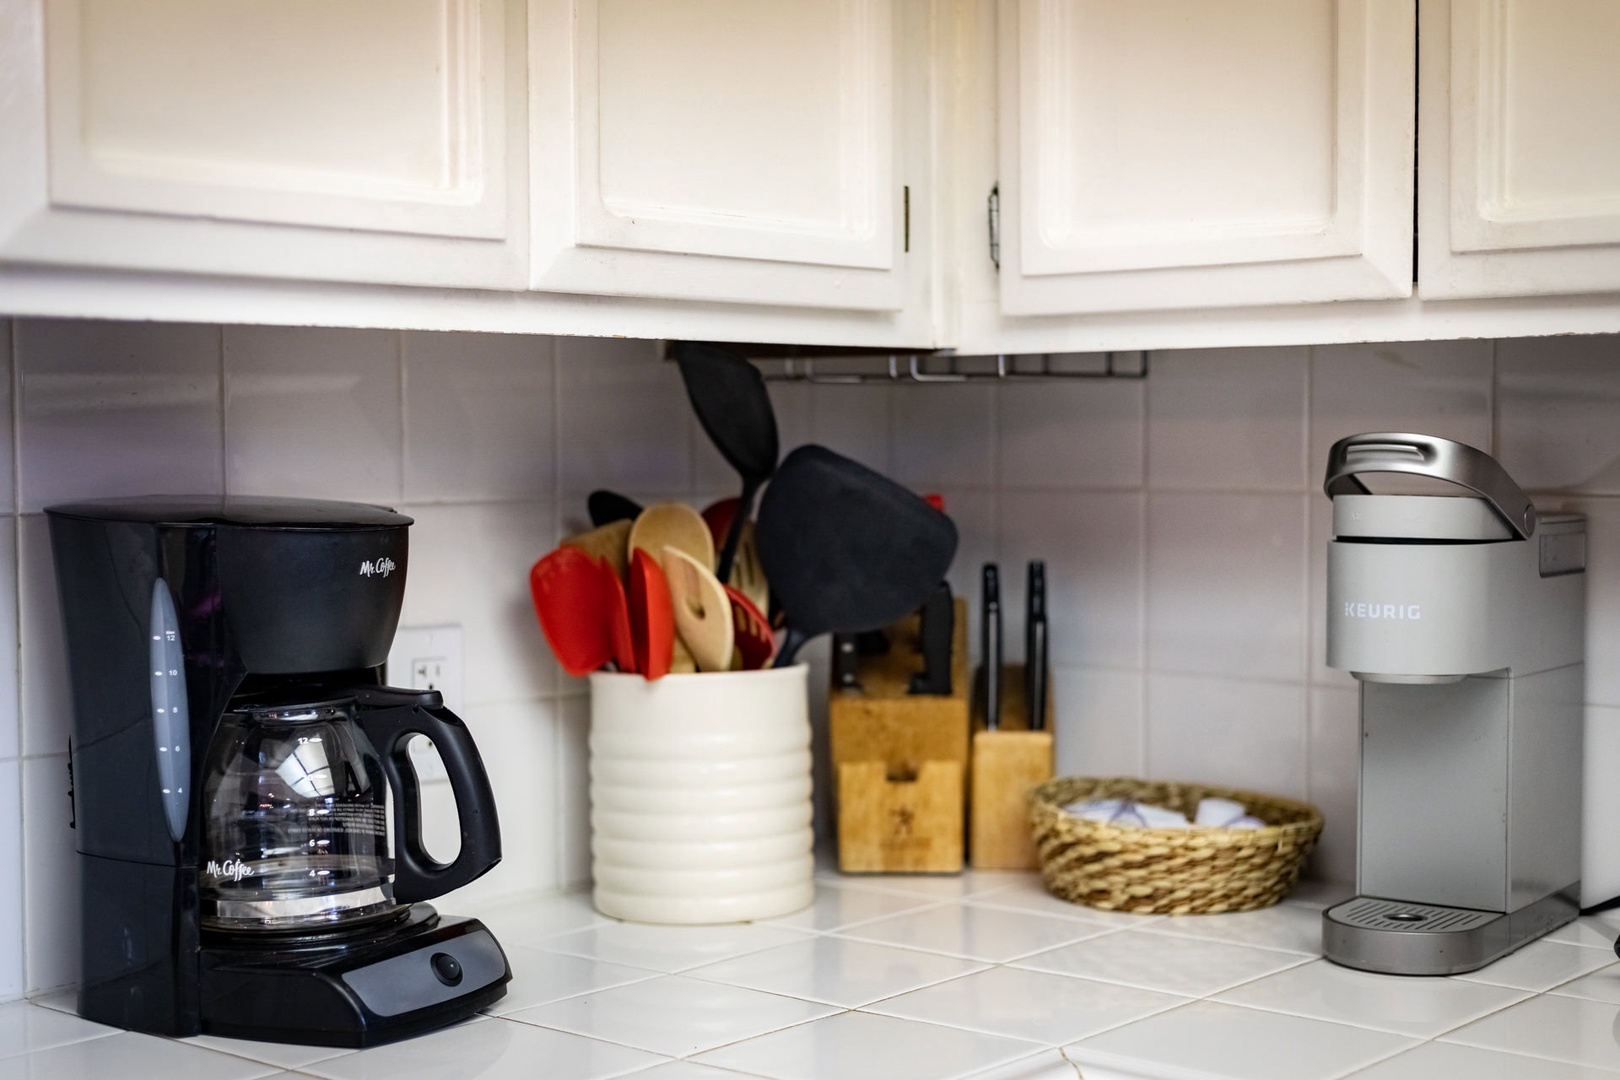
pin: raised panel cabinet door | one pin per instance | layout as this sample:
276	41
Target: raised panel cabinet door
358	141
1519	152
1203	153
726	150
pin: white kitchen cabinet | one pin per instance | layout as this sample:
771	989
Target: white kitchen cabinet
760	152
374	140
1169	154
1519	158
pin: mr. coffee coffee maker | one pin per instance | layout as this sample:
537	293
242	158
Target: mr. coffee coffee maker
1463	617
233	750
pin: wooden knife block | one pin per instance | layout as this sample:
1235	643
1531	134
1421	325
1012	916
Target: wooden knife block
1006	764
901	760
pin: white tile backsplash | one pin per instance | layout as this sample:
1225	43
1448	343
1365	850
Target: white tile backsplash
13	969
1230	732
51	878
114	408
1558	413
313	413
1226	584
1227	419
1180	519
480	417
1433	387
1068	435
944	436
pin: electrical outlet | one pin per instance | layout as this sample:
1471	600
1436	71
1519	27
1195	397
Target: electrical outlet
427	658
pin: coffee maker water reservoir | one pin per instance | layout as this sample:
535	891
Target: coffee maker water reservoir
235	758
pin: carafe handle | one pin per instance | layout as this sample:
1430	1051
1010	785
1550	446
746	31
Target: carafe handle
390	716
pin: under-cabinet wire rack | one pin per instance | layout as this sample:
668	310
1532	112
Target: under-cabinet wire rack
848	366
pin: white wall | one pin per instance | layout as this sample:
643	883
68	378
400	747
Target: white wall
1181	519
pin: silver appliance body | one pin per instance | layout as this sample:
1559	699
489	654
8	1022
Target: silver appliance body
1464	618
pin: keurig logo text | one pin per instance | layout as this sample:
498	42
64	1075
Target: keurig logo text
1405	612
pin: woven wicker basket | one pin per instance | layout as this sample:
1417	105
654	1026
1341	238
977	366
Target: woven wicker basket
1169	871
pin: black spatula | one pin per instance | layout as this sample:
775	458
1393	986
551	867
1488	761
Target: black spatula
731	402
846	549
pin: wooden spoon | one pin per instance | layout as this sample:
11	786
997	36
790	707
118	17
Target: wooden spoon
610	542
702	610
673	525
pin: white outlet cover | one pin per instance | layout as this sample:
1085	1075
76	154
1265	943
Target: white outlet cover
440	645
413	644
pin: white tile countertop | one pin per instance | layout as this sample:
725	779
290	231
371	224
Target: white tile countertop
924	978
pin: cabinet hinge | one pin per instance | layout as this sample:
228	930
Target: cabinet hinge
905	210
995	225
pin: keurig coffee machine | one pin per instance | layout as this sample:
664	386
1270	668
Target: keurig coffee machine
1463	617
235	757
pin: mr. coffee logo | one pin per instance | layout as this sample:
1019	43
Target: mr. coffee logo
235	869
381	568
1404	612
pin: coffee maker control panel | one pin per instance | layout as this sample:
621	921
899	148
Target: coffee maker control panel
171	733
434	973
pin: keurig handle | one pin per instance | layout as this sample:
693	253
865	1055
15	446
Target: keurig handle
1427	455
389	717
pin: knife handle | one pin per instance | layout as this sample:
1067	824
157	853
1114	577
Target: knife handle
1035	646
936	628
844	662
991	630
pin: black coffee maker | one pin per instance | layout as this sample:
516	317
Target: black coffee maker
232	751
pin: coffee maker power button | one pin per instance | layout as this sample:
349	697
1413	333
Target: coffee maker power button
447	968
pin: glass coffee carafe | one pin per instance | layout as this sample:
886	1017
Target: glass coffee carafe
296	807
297	825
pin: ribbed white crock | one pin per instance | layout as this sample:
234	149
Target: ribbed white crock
700	796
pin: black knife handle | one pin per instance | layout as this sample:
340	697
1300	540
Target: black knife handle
844	662
936	627
991	630
1035	646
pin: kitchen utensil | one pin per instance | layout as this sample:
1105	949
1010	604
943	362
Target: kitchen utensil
702	610
618	613
729	397
845	662
990	630
846	549
746	574
652	617
606	507
1035	645
756	643
610	542
571	593
718	516
936	626
675	525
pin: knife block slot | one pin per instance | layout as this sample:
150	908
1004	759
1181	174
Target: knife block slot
901	760
1006	764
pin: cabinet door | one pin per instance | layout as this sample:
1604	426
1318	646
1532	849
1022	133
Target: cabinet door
361	141
1202	153
728	150
1520	148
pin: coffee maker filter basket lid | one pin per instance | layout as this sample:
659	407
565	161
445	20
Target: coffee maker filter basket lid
250	511
1434	457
